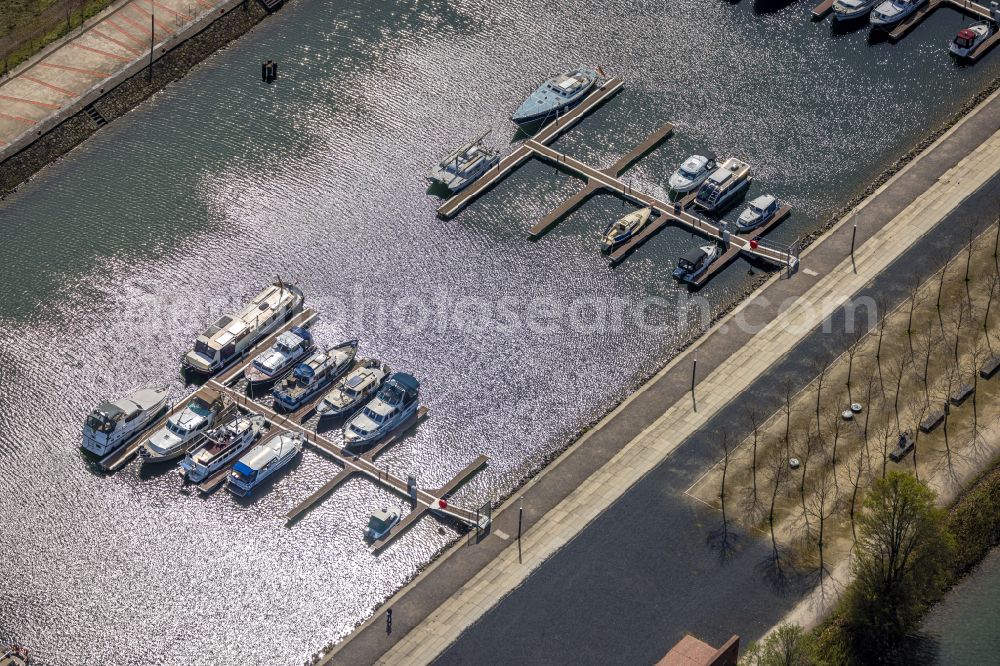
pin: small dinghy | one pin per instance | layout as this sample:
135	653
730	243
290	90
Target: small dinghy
695	262
625	228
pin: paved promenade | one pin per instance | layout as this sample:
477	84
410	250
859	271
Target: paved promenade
60	80
632	585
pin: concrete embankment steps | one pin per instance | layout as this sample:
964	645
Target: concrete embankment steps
95	115
271	5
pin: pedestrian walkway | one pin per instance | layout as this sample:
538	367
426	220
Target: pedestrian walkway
938	190
54	84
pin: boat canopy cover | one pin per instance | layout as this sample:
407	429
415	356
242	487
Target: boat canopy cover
304	372
965	33
244	469
301	332
694	256
406	381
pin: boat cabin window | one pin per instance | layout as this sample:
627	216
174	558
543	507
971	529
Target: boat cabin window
100	423
376	524
963	42
177	429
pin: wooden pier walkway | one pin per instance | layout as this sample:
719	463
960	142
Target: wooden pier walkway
351	463
545	136
973	9
668	213
590	189
731	252
822	9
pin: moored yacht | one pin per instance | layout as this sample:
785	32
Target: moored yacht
691	173
353	390
724	185
313	375
396	402
848	10
464	165
262	461
233	335
286	352
182	430
112	424
221	446
695	262
760	210
891	12
555	96
968	39
625	228
381	522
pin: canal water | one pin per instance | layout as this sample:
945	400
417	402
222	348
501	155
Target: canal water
961	630
117	255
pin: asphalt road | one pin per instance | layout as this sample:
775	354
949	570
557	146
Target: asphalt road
648	570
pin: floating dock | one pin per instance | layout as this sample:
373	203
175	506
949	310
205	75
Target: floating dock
822	9
668	213
545	136
424	500
609	179
731	252
973	9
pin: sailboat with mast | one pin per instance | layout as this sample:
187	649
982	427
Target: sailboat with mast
463	166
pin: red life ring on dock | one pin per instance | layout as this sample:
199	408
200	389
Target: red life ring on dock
443	503
753	245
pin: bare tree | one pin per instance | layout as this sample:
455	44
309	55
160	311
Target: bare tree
778	465
822	504
721	537
820	362
852	351
857	469
836	422
810	444
754	418
991	288
909	321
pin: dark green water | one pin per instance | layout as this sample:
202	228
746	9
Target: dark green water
962	629
117	255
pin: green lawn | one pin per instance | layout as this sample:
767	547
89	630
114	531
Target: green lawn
26	26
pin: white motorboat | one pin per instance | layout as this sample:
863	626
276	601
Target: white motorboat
313	375
286	352
396	402
353	390
692	173
113	424
183	430
760	210
233	335
464	165
625	228
891	12
556	95
381	522
695	262
848	10
221	446
968	39
724	185
262	461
